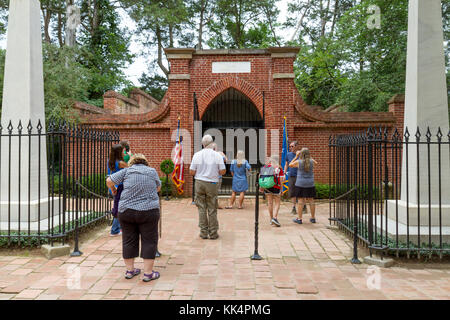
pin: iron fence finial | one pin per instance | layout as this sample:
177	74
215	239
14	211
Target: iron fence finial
10	127
428	134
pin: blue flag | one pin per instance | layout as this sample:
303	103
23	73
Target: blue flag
284	153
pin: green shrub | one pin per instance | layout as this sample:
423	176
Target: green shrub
22	240
95	183
323	191
173	189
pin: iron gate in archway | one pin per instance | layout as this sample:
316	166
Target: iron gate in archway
228	112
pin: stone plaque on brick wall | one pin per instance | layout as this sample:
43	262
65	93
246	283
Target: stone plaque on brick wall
232	67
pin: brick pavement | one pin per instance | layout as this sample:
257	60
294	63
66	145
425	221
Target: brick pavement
300	262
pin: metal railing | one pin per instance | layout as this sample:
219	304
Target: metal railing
227	182
43	206
391	190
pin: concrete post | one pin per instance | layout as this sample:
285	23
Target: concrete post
23	100
425	106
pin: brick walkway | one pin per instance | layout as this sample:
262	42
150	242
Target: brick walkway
300	262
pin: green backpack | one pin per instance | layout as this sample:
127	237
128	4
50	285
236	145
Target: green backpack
267	177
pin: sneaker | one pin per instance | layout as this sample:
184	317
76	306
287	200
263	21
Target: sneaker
214	237
203	236
275	222
115	234
304	210
297	220
294	212
312	220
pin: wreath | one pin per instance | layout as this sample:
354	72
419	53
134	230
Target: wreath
167	166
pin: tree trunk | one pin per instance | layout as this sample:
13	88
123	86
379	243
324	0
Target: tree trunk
269	20
60	26
160	50
200	25
300	22
335	15
95	17
70	34
325	18
47	17
171	36
238	25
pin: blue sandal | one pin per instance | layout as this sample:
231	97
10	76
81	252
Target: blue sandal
131	274
297	220
152	276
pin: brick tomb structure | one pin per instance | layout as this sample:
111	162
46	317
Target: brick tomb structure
246	88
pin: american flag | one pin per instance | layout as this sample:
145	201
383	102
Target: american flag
178	171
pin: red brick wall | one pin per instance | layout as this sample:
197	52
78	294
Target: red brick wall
281	100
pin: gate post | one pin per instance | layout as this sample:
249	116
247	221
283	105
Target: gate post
370	187
355	259
256	255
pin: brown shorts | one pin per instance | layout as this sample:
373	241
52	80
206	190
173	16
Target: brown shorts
292	181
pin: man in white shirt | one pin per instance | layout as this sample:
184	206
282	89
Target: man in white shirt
207	166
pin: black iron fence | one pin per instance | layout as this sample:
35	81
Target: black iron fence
52	181
227	183
391	190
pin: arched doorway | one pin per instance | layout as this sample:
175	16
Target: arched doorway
229	111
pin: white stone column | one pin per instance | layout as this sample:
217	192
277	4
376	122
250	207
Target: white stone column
23	99
425	106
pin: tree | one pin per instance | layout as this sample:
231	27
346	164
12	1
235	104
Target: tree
154	85
65	80
377	56
108	45
201	13
160	22
235	18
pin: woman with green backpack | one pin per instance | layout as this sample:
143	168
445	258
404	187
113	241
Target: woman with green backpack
271	180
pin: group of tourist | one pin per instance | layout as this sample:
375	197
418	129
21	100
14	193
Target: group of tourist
136	207
208	166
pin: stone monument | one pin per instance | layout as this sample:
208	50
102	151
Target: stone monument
426	106
24	186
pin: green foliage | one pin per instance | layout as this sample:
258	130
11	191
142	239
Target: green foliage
171	187
378	55
347	63
95	183
424	249
167	166
154	85
106	51
65	80
23	239
244	24
324	191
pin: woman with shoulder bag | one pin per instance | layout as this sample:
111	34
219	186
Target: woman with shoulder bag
115	164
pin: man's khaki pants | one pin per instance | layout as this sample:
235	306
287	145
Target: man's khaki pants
205	199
